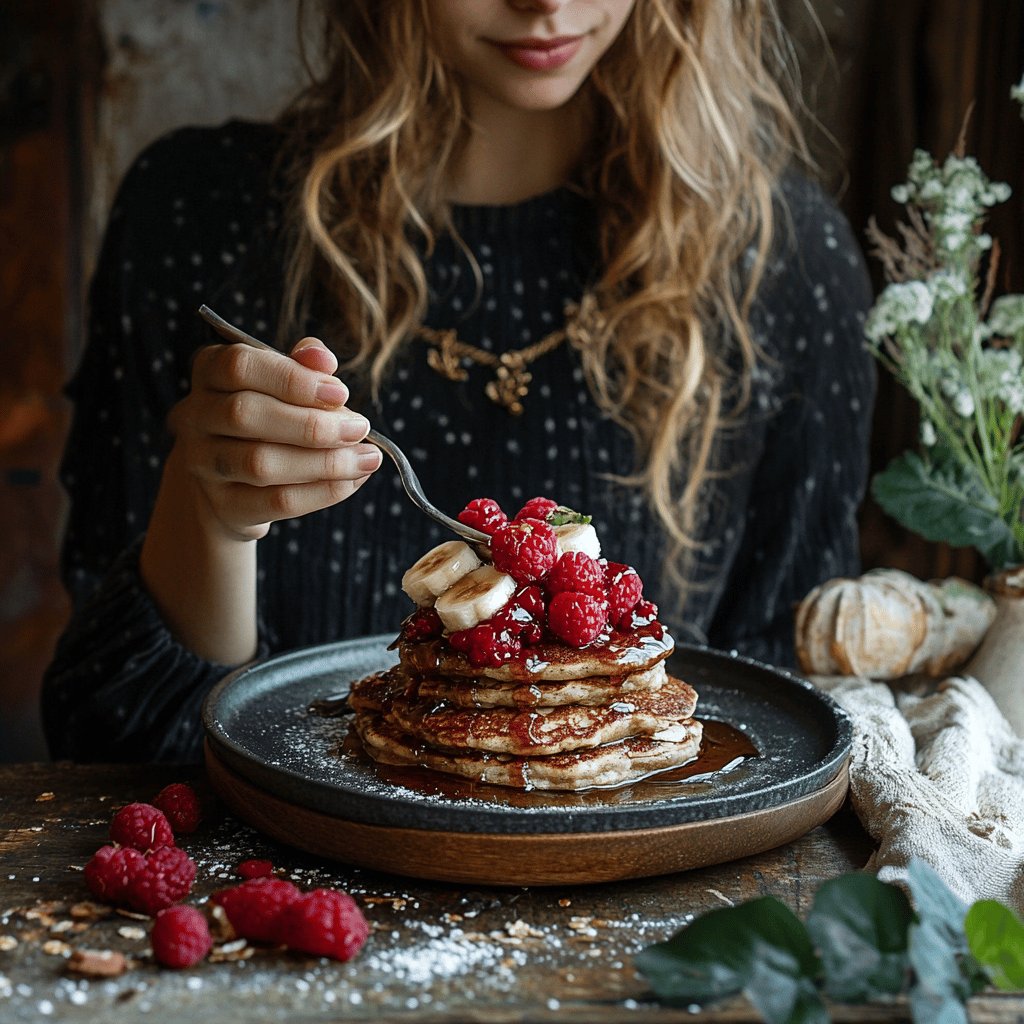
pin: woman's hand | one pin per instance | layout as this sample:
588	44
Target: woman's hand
260	437
265	436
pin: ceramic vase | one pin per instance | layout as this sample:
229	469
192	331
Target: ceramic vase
998	664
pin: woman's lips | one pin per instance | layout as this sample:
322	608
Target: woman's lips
541	54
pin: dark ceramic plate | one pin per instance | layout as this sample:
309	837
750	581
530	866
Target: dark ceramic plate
258	726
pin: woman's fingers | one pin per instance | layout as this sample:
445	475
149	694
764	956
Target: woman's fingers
249	414
268	436
253	506
314	355
262	464
241	368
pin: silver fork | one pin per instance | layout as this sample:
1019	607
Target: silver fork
410	481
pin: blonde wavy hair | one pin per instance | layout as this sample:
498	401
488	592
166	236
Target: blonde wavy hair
694	131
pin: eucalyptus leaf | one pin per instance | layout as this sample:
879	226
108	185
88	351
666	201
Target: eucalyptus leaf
759	948
995	936
781	995
940	989
860	927
943	501
936	903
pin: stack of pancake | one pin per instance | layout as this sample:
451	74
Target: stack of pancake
563	718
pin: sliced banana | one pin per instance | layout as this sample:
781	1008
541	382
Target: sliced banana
577	537
437	570
477	596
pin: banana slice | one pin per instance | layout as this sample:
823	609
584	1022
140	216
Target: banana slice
437	570
577	537
477	596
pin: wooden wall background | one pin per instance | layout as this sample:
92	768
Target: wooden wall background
83	85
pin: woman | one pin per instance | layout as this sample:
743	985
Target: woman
597	190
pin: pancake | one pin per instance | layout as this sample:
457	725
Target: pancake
537	731
613	764
547	662
483	692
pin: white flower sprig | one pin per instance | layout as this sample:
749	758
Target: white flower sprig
959	355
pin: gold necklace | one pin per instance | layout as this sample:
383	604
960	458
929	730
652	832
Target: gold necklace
511	382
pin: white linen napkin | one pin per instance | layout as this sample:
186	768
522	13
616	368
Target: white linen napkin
937	775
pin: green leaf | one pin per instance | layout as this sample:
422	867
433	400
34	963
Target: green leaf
945	973
944	501
939	990
860	927
562	516
935	902
995	936
759	948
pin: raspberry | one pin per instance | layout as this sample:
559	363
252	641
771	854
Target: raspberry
578	572
623	595
536	508
613	571
165	878
646	611
483	514
523	615
423	624
459	640
325	922
576	618
525	549
180	937
142	827
255	868
181	807
110	871
485	644
254	908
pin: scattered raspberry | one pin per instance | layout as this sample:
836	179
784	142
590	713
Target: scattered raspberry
165	878
483	514
181	807
255	868
486	645
110	871
254	908
576	618
646	612
142	827
325	922
525	549
180	937
577	571
536	508
523	616
423	624
623	596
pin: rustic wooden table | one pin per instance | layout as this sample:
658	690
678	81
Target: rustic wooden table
436	953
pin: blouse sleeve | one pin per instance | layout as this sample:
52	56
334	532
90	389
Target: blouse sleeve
801	524
120	686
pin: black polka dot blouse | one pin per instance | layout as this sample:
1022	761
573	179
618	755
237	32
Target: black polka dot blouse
197	220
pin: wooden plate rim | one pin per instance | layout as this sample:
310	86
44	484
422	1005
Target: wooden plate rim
545	858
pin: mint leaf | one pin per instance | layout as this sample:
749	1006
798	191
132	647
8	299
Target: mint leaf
562	516
944	501
859	926
995	936
759	948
